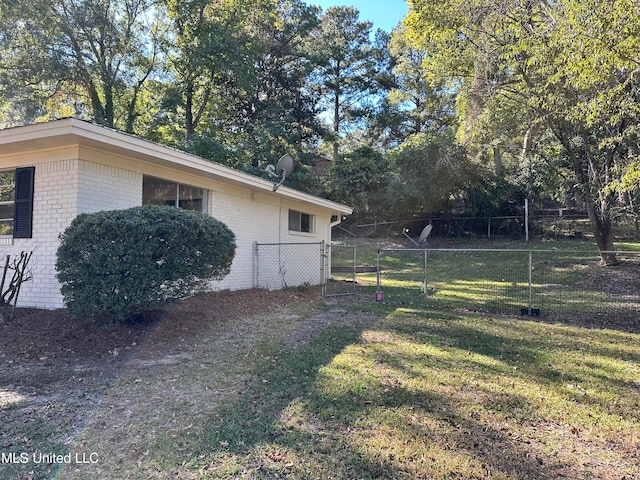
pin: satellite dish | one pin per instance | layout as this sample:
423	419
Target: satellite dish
282	170
425	233
285	165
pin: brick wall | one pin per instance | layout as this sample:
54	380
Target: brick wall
249	219
65	188
62	190
103	187
55	186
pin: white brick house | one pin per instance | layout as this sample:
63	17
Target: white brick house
51	172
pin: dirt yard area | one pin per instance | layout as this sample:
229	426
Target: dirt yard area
62	380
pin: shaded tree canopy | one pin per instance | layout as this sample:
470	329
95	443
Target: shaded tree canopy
74	57
539	97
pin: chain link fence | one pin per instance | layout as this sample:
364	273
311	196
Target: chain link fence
552	283
513	226
283	265
564	224
527	282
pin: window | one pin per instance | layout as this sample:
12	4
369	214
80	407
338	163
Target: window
7	196
157	191
300	222
16	202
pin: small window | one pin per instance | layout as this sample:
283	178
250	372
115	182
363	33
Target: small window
16	202
157	191
7	198
300	222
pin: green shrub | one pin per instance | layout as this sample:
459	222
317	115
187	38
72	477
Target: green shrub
114	265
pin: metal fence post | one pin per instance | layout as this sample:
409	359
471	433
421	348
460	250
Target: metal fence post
256	263
425	273
378	270
530	281
323	264
353	275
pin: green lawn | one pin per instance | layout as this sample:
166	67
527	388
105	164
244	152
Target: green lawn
425	394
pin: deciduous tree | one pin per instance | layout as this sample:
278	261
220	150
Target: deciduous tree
87	58
570	67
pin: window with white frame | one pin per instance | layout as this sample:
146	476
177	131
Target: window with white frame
16	202
301	222
7	196
158	191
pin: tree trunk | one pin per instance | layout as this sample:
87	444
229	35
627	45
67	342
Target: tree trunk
336	124
600	219
99	115
497	162
189	127
593	189
109	108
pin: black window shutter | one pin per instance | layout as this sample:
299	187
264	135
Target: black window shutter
23	206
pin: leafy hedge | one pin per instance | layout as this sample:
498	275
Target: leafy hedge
117	264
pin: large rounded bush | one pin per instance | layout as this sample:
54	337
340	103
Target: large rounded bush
117	264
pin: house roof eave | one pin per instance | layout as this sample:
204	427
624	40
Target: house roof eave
58	133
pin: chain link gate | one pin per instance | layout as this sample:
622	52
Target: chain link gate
284	265
306	264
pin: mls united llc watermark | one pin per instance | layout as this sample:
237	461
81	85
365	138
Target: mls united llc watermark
48	458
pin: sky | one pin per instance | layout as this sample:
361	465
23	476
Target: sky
384	14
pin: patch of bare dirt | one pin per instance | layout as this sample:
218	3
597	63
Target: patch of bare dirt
56	370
